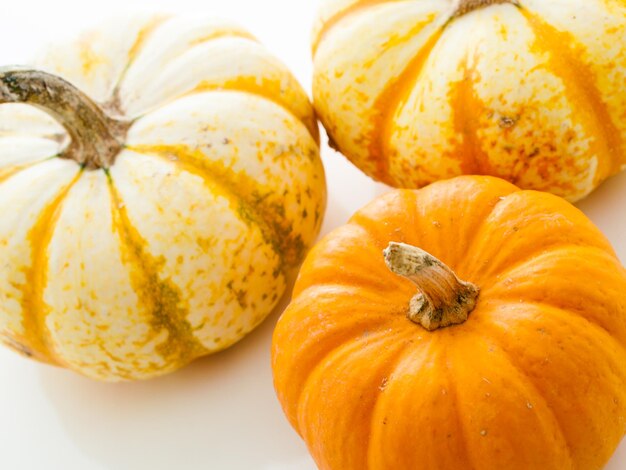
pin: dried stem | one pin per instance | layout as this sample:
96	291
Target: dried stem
443	299
96	137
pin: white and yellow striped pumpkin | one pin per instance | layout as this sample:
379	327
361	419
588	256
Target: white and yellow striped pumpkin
414	91
158	216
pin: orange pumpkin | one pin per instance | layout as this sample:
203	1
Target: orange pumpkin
531	374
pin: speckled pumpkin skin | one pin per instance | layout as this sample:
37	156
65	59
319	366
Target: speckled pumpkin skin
532	92
186	243
535	379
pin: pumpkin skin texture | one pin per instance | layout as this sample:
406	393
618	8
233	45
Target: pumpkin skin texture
179	237
415	91
534	379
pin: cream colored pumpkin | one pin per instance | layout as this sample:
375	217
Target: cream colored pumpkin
414	91
199	189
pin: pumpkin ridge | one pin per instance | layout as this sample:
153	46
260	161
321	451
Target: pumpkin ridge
580	82
160	298
114	103
530	383
497	199
533	387
233	33
387	376
34	307
407	356
344	281
338	336
453	390
254	207
478	236
391	99
6	173
330	23
535	256
250	85
343	352
566	314
574	321
529	258
343	286
345	339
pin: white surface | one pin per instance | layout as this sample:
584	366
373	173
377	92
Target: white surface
219	413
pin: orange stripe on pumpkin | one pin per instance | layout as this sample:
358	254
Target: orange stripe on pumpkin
331	22
223	34
467	109
565	60
254	205
393	97
34	307
161	299
10	171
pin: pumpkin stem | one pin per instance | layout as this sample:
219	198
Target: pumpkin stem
96	137
443	299
466	6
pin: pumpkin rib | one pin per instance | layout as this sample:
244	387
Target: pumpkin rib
497	290
344	353
460	423
537	252
160	298
330	23
391	367
34	307
545	251
567	314
518	204
344	287
578	79
498	330
250	86
9	172
143	35
253	82
390	99
404	356
531	257
382	329
533	386
332	339
326	273
241	192
474	237
233	33
509	357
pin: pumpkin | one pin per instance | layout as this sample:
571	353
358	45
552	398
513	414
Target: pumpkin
468	324
156	216
531	91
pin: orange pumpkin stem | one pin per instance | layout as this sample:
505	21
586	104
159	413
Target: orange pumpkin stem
96	137
443	299
467	6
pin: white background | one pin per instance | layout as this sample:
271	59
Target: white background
220	413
